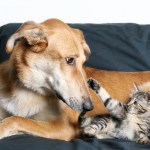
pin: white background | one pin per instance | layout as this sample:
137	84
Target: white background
76	11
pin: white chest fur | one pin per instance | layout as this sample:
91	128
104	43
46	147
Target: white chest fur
24	103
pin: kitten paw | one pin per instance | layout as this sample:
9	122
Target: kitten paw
143	140
90	130
93	84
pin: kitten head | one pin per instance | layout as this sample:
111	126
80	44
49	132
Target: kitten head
139	101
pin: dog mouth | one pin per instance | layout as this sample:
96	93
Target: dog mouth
72	102
81	118
59	96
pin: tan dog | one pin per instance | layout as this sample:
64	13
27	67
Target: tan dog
46	63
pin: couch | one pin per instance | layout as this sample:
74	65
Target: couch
119	47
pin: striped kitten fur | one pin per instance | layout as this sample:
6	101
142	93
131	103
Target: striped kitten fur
127	121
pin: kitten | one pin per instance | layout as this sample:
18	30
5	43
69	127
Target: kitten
127	121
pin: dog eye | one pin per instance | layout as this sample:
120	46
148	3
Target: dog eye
70	60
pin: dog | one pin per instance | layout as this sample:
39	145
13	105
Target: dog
44	80
43	85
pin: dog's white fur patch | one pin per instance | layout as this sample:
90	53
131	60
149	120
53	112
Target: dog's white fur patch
24	103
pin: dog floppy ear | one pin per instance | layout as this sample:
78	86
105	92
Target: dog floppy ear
32	34
85	46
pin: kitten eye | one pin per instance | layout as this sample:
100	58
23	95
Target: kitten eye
70	60
135	102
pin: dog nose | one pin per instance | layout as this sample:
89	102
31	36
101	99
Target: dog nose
87	106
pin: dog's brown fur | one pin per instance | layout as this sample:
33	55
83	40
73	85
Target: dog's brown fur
37	69
118	84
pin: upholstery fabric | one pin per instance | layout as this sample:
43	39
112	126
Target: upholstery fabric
119	47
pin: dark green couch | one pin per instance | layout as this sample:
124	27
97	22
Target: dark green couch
120	47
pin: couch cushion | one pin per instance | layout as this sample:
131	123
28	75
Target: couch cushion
124	47
120	47
27	142
5	32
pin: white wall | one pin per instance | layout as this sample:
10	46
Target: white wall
76	11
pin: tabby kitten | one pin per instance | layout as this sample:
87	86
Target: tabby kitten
127	121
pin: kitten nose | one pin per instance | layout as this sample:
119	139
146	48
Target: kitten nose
87	105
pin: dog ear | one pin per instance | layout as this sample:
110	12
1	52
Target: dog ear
86	48
34	36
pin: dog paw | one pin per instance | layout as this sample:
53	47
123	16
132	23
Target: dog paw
8	127
93	84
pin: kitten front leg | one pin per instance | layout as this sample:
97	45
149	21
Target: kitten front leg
90	130
101	92
93	84
115	107
96	127
143	140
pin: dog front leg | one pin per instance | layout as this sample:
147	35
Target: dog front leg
58	129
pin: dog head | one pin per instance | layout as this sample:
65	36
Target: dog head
49	57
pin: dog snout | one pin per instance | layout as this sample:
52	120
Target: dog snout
87	105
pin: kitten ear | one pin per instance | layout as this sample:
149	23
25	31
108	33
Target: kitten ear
136	87
148	95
